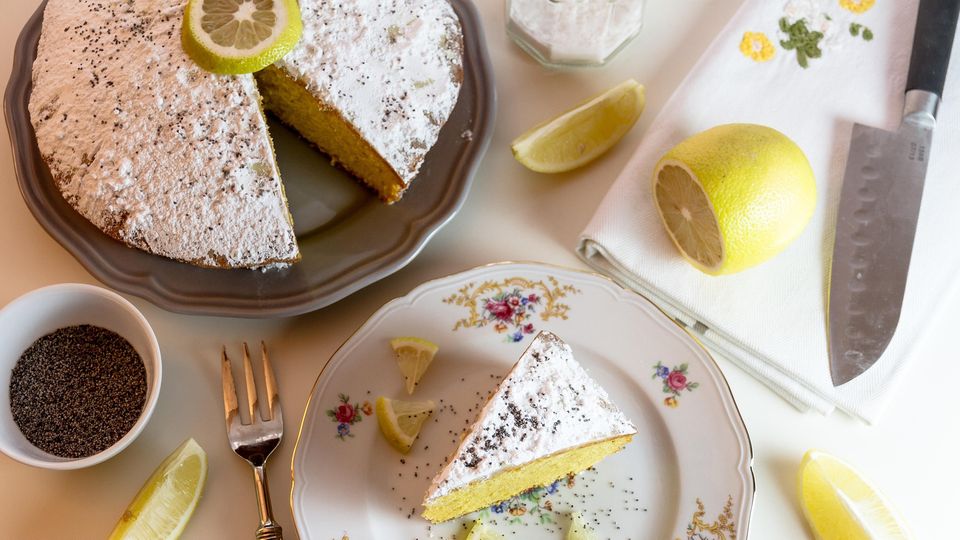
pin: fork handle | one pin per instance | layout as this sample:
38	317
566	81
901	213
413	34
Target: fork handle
268	530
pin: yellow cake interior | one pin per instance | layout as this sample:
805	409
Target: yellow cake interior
510	482
323	126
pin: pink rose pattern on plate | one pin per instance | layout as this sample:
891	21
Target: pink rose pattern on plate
674	381
510	305
346	415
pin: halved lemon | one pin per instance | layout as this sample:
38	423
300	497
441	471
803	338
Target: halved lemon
582	134
840	505
578	528
240	36
400	421
481	531
414	356
734	196
163	506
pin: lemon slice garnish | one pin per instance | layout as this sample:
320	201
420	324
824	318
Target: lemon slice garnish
481	531
240	36
582	134
578	529
400	421
840	504
414	356
163	506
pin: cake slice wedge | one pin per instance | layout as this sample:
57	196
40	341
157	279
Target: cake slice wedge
546	420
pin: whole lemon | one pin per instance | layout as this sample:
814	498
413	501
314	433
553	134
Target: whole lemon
734	196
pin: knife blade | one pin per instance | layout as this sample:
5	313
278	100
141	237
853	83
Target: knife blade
880	204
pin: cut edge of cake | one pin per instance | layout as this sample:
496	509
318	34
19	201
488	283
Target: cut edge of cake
371	86
509	450
326	129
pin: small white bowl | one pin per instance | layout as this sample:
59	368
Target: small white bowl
47	309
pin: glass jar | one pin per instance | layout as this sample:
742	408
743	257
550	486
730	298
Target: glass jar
562	33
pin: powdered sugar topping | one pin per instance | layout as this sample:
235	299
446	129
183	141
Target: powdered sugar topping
547	404
150	148
392	68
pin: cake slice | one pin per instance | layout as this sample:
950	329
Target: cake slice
370	83
546	420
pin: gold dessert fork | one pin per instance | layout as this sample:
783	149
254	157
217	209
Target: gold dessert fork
256	440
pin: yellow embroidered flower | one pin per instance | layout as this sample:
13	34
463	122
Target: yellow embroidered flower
671	402
756	46
857	6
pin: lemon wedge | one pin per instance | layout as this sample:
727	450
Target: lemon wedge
414	356
734	196
163	506
480	531
582	134
840	505
578	529
240	36
400	421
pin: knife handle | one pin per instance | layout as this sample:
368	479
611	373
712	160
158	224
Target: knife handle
932	42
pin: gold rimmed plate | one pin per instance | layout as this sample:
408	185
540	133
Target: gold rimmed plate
687	471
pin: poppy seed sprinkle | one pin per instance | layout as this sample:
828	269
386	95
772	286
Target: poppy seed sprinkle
77	391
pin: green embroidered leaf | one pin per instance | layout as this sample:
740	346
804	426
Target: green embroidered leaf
806	43
855	29
867	34
682	368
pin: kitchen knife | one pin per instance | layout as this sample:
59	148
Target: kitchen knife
880	203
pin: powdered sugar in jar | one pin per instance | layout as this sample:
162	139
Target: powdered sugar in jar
573	32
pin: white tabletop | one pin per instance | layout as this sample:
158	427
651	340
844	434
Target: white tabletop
511	214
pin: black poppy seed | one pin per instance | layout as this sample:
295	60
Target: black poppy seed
77	391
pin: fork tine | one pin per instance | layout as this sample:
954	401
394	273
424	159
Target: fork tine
270	381
251	384
229	390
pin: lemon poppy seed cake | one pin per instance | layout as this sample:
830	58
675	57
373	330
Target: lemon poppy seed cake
178	162
547	419
370	83
150	148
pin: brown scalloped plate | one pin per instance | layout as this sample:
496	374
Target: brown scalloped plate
348	238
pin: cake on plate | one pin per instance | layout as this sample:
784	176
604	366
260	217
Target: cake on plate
370	83
546	420
178	162
153	150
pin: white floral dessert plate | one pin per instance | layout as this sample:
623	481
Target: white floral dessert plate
685	475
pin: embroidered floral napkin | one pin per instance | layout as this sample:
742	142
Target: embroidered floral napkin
809	69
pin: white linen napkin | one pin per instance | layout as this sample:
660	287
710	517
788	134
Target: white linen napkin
771	319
